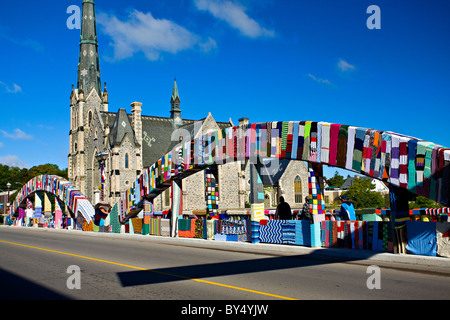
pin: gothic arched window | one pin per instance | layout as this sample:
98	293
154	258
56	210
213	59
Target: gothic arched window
89	118
298	189
126	161
75	120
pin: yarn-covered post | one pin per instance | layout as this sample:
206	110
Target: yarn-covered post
176	205
316	189
148	213
399	202
256	191
212	192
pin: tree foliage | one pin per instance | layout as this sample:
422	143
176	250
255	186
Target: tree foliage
336	181
422	202
18	177
361	194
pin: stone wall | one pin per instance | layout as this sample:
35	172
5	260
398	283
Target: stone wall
286	183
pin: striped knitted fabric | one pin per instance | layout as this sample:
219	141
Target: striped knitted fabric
376	153
350	146
37	206
295	133
358	149
284	137
412	149
255	231
403	162
329	233
313	142
325	143
427	170
395	161
176	204
385	155
288	229
303	232
307	141
367	153
155	227
319	142
334	137
301	140
342	146
271	232
315	235
279	125
420	165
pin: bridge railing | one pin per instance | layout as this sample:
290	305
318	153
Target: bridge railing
406	162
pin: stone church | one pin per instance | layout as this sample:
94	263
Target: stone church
125	144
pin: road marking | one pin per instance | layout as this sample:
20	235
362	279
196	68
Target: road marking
143	269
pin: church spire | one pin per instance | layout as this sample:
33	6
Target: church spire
175	110
175	100
88	65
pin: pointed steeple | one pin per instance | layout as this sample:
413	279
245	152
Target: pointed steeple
88	65
175	100
175	110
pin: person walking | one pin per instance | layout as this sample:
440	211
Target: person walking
306	214
283	211
347	211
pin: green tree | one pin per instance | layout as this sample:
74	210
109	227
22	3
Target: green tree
50	169
336	181
422	202
361	194
18	177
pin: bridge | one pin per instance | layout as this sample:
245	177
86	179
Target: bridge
406	163
66	193
409	165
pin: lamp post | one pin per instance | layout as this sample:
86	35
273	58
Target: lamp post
8	185
101	158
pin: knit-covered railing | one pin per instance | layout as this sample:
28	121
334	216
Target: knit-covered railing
406	162
65	191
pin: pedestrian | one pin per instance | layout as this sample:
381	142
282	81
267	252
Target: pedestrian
283	211
306	214
347	211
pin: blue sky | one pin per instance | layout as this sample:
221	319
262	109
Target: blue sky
313	60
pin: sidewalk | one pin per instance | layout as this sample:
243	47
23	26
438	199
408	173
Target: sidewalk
408	261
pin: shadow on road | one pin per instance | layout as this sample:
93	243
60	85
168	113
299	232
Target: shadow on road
153	276
14	287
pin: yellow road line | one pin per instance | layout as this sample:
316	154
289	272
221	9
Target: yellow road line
159	272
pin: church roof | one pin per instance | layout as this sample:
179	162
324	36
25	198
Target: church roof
156	133
121	126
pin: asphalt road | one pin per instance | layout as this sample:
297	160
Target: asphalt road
36	264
